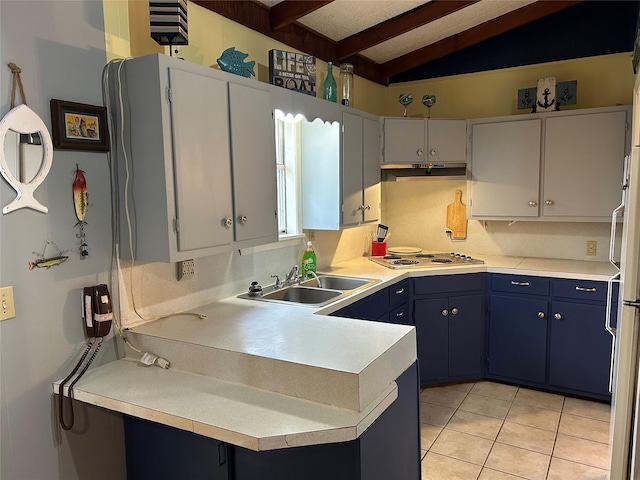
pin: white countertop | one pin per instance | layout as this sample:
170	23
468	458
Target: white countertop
265	375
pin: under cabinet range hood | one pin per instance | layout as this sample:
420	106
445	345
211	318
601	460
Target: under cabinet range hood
405	172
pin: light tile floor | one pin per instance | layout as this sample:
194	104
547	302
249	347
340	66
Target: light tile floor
491	431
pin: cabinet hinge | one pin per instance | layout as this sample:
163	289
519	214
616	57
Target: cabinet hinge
169	95
176	225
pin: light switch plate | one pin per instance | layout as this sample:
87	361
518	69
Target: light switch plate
7	307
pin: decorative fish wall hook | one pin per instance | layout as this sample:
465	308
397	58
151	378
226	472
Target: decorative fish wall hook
81	203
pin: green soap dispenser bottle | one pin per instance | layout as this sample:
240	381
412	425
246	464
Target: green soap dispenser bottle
308	261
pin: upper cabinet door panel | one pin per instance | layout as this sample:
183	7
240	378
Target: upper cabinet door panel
583	163
447	141
351	169
371	168
200	159
505	168
404	140
254	165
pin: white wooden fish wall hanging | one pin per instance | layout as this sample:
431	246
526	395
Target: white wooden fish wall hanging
23	120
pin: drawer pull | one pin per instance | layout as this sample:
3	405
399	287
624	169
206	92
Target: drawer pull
401	291
520	284
583	289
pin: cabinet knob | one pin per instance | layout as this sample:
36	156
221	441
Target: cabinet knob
227	222
549	202
540	314
445	312
533	204
242	219
454	311
557	316
420	152
433	152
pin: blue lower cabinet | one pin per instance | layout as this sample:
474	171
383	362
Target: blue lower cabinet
518	338
450	333
579	348
388	449
159	452
390	305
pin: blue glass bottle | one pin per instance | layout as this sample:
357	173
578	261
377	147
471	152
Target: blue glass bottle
330	87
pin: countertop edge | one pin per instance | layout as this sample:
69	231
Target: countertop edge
108	386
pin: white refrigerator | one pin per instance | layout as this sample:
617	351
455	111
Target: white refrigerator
625	411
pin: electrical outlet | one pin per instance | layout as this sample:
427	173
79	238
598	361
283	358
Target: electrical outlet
592	248
186	268
7	307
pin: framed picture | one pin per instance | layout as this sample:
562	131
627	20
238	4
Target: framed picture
77	126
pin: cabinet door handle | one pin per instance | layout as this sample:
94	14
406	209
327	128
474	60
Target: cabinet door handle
520	284
227	222
541	315
444	312
584	289
368	207
549	202
399	292
400	313
533	204
242	219
557	316
433	152
420	152
454	311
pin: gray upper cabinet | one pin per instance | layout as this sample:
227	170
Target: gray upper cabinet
583	162
506	168
340	171
254	167
558	166
191	166
361	169
420	140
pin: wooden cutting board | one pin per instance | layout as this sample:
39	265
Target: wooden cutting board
457	218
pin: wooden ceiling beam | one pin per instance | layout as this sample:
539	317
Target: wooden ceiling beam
288	11
395	26
255	16
472	36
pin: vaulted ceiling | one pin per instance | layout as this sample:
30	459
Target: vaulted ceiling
387	40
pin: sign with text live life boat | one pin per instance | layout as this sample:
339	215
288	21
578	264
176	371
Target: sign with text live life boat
293	71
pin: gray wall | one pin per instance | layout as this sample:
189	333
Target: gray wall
60	47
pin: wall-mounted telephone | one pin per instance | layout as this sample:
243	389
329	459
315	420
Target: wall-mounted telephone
97	311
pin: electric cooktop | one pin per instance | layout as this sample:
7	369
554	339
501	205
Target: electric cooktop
423	260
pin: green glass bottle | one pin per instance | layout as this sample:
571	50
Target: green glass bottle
330	87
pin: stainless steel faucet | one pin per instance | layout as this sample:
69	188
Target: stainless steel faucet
292	276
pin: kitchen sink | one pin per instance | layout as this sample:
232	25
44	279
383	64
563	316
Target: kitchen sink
309	293
299	294
336	282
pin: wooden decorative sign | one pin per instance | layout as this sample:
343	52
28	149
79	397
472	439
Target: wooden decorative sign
294	71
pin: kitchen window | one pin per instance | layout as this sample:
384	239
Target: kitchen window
288	166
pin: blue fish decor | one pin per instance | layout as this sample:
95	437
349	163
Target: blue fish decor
232	61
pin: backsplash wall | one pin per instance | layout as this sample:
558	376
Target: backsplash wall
415	213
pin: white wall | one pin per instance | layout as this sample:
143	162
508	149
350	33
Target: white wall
60	47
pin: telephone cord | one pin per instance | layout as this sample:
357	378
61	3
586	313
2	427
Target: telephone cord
90	345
